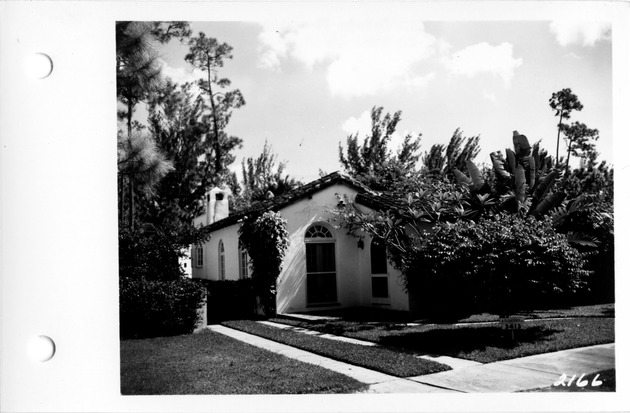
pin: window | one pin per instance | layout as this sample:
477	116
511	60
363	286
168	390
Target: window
199	256
379	287
243	263
318	231
321	276
221	260
378	258
378	266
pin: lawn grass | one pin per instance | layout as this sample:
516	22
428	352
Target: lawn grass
211	363
385	360
606	377
482	342
374	315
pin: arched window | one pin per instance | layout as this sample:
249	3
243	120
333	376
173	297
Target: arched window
243	263
378	265
318	231
221	260
321	273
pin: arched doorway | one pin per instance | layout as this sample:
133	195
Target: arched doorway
321	265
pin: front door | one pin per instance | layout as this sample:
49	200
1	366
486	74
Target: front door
321	276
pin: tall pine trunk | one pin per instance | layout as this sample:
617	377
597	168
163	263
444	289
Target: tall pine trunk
218	166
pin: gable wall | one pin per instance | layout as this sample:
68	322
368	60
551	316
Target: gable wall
210	269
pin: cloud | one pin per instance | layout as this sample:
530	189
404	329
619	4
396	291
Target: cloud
586	33
361	125
484	58
181	75
361	58
490	96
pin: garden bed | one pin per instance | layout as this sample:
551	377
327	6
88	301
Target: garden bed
385	360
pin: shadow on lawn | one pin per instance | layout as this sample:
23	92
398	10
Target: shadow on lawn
453	341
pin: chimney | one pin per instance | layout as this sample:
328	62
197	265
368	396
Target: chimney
217	204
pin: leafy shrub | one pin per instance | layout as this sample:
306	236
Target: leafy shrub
150	308
266	240
230	300
153	252
499	265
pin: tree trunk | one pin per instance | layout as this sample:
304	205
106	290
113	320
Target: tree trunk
568	157
217	150
131	204
558	140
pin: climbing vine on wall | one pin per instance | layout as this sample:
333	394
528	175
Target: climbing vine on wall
266	240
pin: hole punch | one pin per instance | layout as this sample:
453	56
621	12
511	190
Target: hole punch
41	348
39	65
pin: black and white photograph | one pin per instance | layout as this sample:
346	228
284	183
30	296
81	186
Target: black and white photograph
314	206
375	207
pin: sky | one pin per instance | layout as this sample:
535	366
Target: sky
309	84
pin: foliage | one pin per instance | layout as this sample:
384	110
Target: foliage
261	176
176	121
421	204
591	178
441	160
372	162
141	161
523	183
138	76
138	70
207	54
153	252
266	240
230	300
563	103
150	308
511	262
579	140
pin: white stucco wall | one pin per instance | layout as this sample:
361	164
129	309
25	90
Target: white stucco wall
352	263
210	268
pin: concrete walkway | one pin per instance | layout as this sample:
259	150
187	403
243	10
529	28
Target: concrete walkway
379	382
525	373
519	374
452	362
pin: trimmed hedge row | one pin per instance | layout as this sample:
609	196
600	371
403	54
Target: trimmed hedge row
151	308
230	300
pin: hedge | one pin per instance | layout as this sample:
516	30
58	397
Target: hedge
230	300
150	308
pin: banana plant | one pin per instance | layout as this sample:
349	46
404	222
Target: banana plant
523	181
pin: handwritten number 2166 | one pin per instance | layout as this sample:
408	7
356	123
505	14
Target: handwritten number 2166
580	382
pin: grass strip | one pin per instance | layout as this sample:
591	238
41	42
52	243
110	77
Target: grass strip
381	316
211	363
381	359
482	343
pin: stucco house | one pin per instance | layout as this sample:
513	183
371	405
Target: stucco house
324	268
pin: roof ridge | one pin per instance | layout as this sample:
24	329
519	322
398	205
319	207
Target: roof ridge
280	201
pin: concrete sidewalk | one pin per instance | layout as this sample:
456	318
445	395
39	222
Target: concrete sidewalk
519	374
379	382
452	362
525	373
